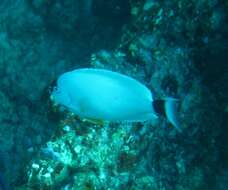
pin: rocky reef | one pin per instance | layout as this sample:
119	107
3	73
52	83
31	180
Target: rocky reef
176	48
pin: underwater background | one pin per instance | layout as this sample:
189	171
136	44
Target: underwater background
176	48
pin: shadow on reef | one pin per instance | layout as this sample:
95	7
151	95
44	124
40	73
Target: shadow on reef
90	23
210	58
39	40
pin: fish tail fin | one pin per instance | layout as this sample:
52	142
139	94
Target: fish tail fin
168	107
171	107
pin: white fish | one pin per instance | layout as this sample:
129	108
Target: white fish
99	94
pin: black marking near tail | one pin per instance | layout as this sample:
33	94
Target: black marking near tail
159	107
